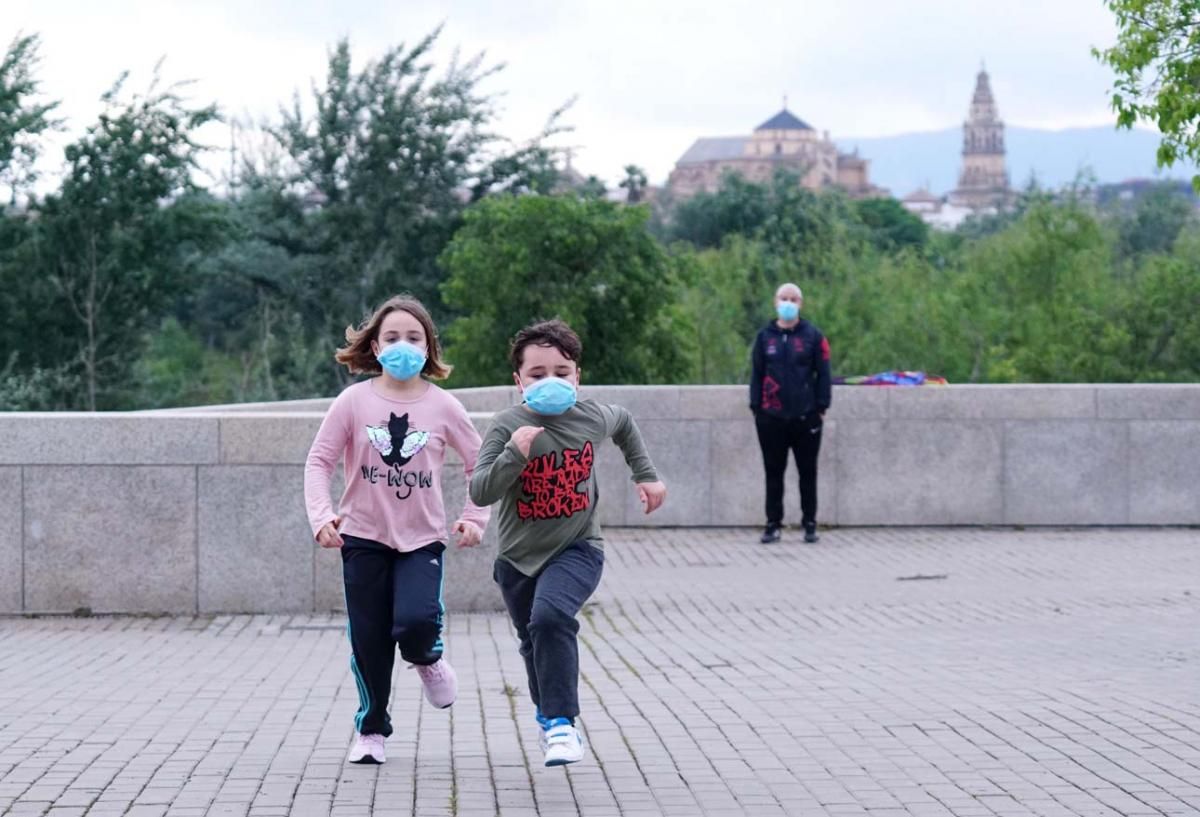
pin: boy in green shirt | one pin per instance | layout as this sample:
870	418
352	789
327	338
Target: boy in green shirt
537	462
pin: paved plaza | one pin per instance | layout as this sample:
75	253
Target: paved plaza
881	672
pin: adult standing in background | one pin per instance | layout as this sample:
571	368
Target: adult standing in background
790	391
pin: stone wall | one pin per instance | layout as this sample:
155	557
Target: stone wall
202	510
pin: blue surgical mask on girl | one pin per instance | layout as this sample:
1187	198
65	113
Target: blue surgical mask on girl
550	396
787	310
402	360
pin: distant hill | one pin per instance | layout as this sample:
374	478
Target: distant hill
908	161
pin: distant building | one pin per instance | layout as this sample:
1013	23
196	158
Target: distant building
569	178
783	141
935	210
983	182
983	185
1131	191
921	201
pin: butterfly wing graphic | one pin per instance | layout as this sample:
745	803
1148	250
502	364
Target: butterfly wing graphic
414	441
380	439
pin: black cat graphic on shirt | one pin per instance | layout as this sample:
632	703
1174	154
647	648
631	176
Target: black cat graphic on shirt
396	444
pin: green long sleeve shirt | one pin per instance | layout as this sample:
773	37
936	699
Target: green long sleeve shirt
548	500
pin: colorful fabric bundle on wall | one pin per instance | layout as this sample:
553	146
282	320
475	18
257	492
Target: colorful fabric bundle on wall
892	378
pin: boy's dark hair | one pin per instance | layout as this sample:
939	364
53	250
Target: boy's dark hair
554	333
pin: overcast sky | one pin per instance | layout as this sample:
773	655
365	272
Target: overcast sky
651	76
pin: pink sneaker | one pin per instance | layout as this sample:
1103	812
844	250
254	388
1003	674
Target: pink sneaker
441	683
367	749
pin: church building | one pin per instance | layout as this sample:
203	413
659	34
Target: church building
783	141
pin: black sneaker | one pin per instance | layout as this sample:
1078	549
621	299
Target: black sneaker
810	533
770	535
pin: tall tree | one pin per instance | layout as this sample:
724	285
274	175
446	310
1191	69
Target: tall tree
1155	221
891	227
1163	315
386	160
24	116
116	241
347	198
634	184
737	206
1156	62
592	263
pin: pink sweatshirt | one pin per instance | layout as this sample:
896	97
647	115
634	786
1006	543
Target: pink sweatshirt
393	451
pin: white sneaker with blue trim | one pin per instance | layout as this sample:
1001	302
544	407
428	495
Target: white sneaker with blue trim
564	744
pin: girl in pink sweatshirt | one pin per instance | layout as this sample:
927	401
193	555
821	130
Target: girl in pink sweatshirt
392	432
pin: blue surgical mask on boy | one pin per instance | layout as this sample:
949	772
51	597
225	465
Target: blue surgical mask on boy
787	310
550	395
402	360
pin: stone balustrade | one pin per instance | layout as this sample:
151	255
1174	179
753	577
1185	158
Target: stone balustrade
202	511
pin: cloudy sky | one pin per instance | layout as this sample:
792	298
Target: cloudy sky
650	76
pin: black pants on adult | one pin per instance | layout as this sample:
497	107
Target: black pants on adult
543	609
802	437
392	599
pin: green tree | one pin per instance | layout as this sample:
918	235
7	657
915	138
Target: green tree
891	226
634	184
1156	62
1040	300
802	230
337	205
24	116
809	235
591	263
1163	314
720	308
115	244
177	369
705	219
1155	222
889	311
258	301
385	163
592	188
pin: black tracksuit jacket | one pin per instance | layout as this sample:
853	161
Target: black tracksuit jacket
790	371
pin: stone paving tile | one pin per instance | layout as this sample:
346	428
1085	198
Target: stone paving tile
881	672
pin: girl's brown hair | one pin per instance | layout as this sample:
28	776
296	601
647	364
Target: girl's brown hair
357	356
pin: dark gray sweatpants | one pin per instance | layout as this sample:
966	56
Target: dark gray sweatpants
543	609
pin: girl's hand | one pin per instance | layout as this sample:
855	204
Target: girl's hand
523	438
328	536
469	534
652	495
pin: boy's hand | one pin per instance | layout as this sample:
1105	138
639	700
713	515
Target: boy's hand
523	438
469	534
652	495
328	536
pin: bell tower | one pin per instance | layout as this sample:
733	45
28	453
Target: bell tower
983	180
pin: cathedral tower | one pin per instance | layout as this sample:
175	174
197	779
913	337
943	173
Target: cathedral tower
983	181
